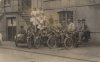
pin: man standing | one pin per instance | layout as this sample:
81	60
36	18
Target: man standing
71	29
80	30
86	32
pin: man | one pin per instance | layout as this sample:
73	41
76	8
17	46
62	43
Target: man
41	11
0	39
71	26
34	12
86	32
22	30
71	29
80	28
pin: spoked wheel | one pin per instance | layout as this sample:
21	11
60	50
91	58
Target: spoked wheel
29	44
76	40
76	43
68	42
51	42
37	42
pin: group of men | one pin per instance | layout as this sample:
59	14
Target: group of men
39	21
81	27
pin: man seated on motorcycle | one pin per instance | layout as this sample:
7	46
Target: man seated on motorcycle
22	32
30	30
83	31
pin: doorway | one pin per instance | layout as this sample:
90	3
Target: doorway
11	31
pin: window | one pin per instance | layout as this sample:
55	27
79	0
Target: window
92	1
26	4
7	2
69	14
64	16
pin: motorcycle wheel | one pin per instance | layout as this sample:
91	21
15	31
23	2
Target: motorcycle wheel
37	42
67	42
51	43
29	45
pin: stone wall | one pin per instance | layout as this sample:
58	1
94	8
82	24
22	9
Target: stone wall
3	28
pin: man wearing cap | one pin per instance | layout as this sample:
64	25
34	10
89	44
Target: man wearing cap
22	30
86	32
80	28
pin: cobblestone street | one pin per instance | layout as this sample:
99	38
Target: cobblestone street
8	51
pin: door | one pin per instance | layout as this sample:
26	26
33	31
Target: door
11	28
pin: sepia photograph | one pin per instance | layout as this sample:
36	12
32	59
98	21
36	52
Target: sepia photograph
49	30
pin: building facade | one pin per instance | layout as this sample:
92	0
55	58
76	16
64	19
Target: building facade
76	9
14	13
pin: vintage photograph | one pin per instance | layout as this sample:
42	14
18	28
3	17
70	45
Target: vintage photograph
49	30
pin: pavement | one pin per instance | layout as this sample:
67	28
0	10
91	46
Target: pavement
90	53
7	55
